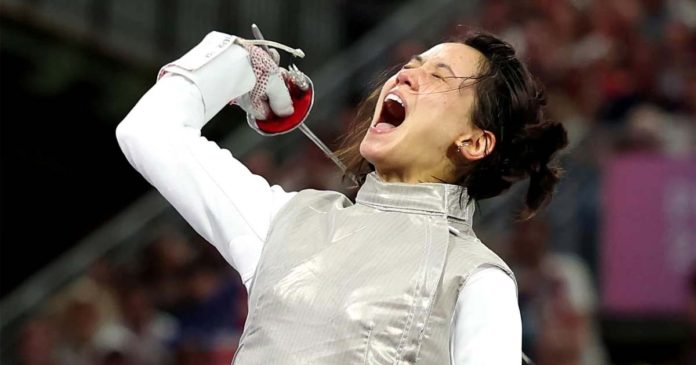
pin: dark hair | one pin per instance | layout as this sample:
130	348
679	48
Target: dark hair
509	102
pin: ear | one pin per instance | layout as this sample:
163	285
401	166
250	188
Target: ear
478	146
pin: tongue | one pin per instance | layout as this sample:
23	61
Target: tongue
383	127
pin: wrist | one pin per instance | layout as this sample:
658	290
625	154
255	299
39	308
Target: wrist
218	67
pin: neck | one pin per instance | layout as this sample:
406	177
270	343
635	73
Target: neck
397	177
415	177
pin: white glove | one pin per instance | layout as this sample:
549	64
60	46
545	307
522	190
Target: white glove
229	69
270	93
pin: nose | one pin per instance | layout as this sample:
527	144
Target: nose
408	76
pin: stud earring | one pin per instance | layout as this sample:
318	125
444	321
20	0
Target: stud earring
462	144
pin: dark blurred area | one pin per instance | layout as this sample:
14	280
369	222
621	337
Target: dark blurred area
62	172
606	275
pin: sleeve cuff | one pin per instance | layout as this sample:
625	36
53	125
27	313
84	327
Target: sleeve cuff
220	69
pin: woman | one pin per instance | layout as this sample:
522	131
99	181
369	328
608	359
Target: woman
396	277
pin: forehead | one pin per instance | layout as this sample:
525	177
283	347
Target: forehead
463	59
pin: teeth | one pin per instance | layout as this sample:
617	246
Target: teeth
394	97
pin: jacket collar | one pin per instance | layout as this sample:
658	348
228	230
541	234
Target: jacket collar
426	198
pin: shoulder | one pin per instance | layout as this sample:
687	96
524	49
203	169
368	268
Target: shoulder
323	197
467	247
317	201
471	256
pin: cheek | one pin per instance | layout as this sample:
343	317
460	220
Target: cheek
454	116
443	121
443	137
428	140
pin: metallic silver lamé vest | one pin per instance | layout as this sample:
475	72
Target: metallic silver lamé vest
375	282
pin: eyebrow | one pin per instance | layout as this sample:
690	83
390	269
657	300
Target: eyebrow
420	60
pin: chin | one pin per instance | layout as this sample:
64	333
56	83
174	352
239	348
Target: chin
370	150
377	154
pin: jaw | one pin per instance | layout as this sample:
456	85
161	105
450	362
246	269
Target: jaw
395	161
392	162
382	150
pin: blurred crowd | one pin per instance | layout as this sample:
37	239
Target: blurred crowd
620	76
626	64
178	302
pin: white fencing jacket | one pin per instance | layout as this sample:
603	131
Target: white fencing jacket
232	208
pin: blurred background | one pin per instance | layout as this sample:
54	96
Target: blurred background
98	269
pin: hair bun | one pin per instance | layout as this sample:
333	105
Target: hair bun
547	138
532	147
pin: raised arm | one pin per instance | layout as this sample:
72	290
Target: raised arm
217	195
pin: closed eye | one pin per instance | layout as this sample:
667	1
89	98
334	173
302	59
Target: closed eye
438	76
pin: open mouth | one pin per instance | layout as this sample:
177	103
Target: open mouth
392	115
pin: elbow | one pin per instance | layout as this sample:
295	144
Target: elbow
132	136
123	132
126	134
127	138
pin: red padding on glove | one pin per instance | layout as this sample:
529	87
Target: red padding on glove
301	102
